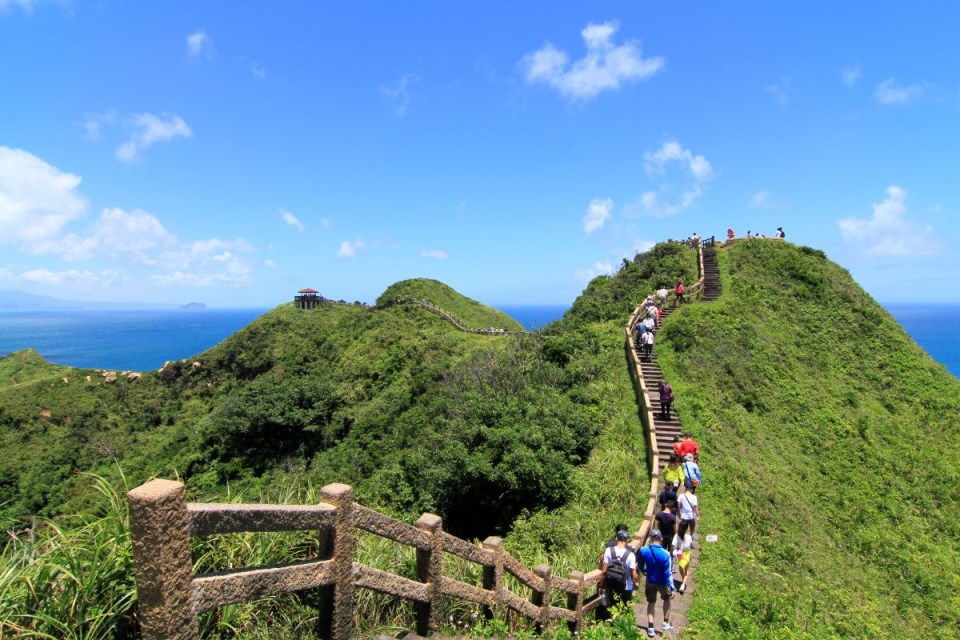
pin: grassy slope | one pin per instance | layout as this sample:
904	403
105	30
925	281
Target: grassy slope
470	312
830	458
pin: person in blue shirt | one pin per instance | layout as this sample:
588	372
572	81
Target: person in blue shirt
691	472
655	563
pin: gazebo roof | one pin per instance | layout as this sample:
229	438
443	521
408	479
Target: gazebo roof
308	290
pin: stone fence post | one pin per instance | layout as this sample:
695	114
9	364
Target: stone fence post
575	602
541	598
429	615
340	624
493	576
160	531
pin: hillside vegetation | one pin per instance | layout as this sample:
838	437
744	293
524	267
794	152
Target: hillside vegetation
829	442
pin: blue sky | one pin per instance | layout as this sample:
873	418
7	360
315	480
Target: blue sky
234	152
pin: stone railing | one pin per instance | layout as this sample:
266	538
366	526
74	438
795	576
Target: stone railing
645	405
443	313
171	596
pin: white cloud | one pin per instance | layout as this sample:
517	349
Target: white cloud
269	263
399	94
150	129
85	278
325	223
889	92
350	249
599	268
94	123
762	200
655	163
199	45
258	70
36	199
598	212
436	254
26	5
679	189
291	220
605	65
887	232
850	75
780	91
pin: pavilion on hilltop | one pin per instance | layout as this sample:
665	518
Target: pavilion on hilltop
307	299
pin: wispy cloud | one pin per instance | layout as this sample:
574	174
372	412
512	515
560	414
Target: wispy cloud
258	70
889	92
26	5
605	65
682	173
762	200
780	91
850	75
598	212
436	254
399	93
888	232
291	220
199	46
350	249
599	268
149	130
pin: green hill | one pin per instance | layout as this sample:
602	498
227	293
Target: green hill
470	312
830	457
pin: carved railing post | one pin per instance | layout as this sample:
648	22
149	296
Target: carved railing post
430	569
493	576
541	598
575	602
340	626
160	530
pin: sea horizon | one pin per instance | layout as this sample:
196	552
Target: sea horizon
143	339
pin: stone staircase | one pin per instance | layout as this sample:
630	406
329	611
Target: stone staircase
711	275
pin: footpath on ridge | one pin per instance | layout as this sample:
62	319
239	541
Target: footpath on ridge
665	430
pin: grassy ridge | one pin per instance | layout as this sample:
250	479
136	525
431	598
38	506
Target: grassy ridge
830	456
470	312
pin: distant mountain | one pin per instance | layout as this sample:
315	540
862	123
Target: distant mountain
13	300
193	306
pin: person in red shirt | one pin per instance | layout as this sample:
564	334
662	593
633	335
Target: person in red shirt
676	447
678	291
689	445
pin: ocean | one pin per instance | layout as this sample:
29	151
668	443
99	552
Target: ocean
144	340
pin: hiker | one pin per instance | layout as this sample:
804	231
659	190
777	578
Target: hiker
678	293
619	571
666	522
656	565
730	234
668	496
682	552
749	234
649	323
780	235
689	512
673	472
689	445
666	404
691	472
647	344
662	294
676	446
652	313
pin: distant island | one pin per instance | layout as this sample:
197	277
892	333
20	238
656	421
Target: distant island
193	306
